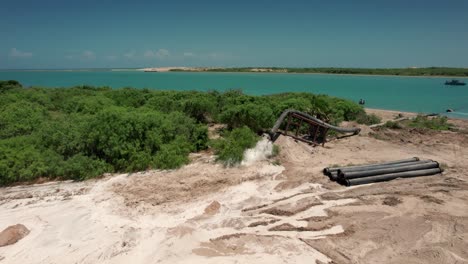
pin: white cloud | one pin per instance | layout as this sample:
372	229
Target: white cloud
189	54
20	54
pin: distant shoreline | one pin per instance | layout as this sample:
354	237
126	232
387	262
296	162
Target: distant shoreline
436	72
389	114
397	72
324	73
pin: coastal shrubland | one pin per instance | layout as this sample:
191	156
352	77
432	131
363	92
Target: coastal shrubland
82	132
366	119
393	125
420	122
434	123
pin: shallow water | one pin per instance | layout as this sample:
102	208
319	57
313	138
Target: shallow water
415	94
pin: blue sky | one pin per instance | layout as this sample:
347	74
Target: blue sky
115	33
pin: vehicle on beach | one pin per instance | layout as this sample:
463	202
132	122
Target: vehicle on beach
455	82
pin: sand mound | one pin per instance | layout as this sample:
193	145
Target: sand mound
213	208
13	234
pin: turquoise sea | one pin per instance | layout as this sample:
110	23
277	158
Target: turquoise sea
415	94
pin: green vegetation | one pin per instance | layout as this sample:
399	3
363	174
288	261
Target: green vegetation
393	125
368	119
230	149
8	85
276	150
429	71
82	132
434	123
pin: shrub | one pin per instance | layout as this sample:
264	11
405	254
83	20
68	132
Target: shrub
256	117
230	149
67	135
435	123
164	102
87	104
366	119
128	97
9	85
173	155
20	118
276	151
349	110
120	134
80	167
199	137
392	125
200	108
22	160
300	104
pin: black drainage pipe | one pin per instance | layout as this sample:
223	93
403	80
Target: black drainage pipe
376	167
387	170
391	176
327	170
333	176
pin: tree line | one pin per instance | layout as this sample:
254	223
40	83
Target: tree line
428	71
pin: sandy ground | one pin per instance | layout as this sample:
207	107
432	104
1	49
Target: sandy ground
261	212
387	115
166	69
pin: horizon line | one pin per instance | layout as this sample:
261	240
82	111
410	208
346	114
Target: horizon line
221	67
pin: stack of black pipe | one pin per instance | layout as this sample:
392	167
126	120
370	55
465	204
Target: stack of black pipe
362	174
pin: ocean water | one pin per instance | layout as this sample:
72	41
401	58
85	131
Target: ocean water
415	94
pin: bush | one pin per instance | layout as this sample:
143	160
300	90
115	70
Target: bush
9	85
256	117
392	125
230	149
200	108
21	160
66	135
350	111
80	167
199	137
87	104
435	123
122	137
20	118
173	155
299	104
366	119
129	97
164	102
276	151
